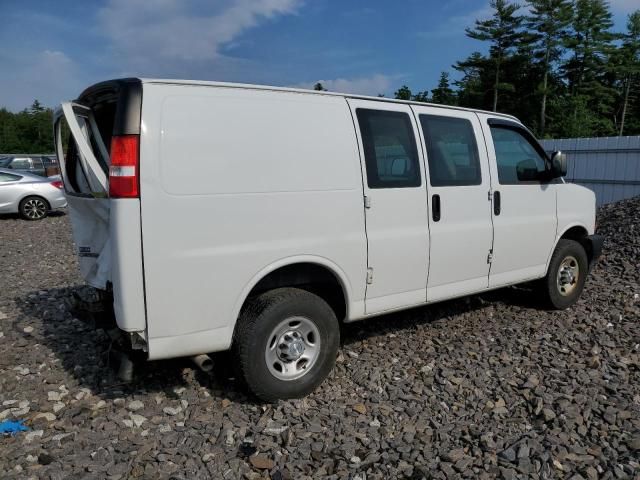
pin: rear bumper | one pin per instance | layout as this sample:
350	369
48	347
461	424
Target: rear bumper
59	203
595	243
57	199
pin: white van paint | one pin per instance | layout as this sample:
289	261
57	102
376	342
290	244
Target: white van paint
238	181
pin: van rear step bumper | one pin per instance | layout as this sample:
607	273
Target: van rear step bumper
95	308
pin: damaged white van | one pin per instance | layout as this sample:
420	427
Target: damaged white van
217	216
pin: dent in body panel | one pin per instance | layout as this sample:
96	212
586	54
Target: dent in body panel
127	275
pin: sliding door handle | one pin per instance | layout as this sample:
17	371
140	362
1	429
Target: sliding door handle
435	207
496	203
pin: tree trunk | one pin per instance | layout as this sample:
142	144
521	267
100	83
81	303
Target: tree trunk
624	104
495	86
543	106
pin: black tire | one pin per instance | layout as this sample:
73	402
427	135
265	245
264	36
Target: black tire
34	208
561	294
256	330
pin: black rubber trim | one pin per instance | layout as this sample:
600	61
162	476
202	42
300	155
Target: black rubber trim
128	93
499	122
595	244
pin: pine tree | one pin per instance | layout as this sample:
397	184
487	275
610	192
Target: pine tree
421	97
443	93
629	62
547	24
36	107
590	43
403	93
474	84
502	30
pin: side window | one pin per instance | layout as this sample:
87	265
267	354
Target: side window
452	151
7	177
390	151
21	164
37	162
518	161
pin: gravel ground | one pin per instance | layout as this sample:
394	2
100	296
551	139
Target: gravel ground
485	387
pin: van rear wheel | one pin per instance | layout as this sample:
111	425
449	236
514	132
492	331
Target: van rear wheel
567	274
286	343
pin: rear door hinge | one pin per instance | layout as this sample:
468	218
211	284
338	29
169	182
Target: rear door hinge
369	276
367	202
490	256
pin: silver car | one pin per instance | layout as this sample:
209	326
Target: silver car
30	195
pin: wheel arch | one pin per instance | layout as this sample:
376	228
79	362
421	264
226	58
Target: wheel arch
34	195
304	271
574	231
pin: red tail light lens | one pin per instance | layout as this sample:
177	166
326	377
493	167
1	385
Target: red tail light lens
124	171
57	184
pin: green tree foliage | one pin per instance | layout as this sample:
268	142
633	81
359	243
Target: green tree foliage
502	31
403	93
28	131
627	65
586	70
548	24
443	93
564	73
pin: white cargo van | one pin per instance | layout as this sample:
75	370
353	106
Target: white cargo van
219	216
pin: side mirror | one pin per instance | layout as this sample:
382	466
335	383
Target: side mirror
527	171
558	164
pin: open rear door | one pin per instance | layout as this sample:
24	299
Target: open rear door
84	166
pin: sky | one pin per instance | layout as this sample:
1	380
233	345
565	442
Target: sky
52	50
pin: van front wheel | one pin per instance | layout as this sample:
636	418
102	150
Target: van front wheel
567	274
286	343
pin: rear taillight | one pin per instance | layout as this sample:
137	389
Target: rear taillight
124	172
57	184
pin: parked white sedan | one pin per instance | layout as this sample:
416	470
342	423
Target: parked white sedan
30	195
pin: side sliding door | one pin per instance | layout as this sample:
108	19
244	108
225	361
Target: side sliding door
460	208
395	205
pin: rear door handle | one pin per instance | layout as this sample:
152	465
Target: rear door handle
496	203
435	208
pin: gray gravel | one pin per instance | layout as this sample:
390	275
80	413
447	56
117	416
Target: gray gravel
485	387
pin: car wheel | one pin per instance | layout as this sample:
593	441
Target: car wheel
285	343
34	208
567	274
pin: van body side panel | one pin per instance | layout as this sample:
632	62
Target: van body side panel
234	181
126	264
572	200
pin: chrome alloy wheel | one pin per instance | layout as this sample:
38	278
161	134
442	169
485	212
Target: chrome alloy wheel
293	348
34	208
568	275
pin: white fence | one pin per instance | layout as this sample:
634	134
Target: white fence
610	166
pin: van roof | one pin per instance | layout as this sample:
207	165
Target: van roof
314	92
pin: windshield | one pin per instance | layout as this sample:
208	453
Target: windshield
4	161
